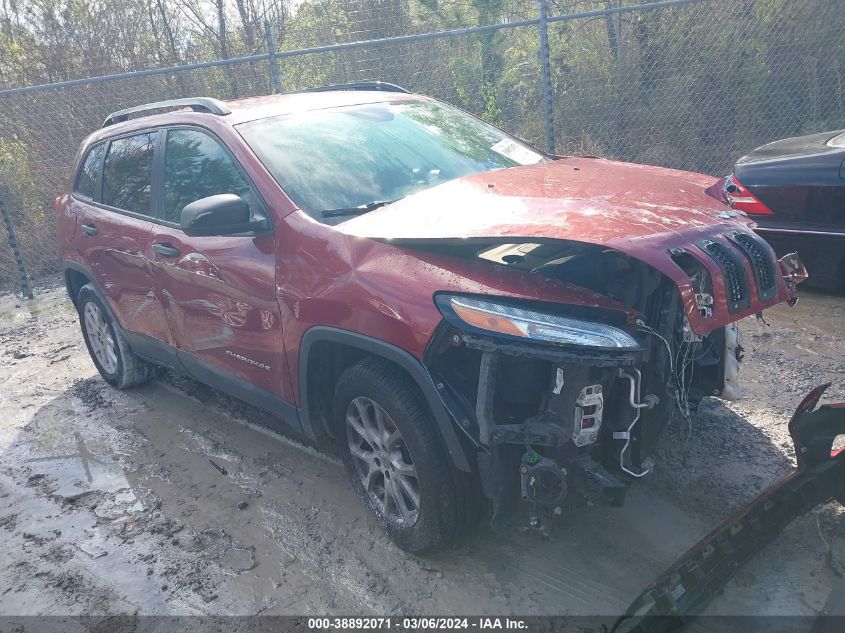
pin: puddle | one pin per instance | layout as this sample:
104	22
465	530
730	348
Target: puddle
77	470
13	309
237	559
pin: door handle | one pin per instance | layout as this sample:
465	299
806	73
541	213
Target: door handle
89	229
166	249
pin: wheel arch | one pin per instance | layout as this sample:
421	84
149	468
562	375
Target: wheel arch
320	341
76	276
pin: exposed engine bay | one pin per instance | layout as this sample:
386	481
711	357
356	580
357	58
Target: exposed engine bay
557	419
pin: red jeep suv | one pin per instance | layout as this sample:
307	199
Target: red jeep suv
471	321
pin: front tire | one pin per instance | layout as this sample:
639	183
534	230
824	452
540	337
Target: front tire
396	461
111	354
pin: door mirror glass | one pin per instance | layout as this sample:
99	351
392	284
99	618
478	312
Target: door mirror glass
222	214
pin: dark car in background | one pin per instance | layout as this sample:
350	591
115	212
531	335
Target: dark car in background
795	190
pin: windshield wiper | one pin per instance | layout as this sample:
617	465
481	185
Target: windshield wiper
361	209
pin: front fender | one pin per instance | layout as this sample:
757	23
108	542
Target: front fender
400	357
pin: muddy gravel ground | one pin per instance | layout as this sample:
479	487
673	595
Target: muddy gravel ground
175	499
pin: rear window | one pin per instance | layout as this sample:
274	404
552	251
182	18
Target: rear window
87	178
127	173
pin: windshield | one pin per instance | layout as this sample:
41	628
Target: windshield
341	162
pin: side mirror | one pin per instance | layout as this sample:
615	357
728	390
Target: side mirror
223	214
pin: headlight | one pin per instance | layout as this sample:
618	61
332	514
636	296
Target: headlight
538	326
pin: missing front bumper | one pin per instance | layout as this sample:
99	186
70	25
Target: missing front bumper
683	590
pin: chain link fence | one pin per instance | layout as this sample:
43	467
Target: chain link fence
689	84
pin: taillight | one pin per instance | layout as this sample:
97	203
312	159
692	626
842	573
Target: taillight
741	199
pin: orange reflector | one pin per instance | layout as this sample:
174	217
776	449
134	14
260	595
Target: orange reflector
486	321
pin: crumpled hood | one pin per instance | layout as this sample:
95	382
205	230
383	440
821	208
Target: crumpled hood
647	213
585	199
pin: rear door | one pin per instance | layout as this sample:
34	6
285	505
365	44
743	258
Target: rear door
221	304
114	190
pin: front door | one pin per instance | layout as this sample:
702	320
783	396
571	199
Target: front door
219	292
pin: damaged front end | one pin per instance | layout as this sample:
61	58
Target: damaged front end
564	403
588	302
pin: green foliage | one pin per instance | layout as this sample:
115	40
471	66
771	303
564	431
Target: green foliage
692	87
30	216
17	182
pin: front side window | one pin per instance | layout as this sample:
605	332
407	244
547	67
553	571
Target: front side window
339	162
127	173
195	167
86	181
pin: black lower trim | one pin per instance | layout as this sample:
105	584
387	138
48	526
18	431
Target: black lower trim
394	354
239	388
160	353
153	350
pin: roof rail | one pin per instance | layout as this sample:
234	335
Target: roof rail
197	104
359	85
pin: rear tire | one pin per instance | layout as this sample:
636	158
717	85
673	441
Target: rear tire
396	460
111	354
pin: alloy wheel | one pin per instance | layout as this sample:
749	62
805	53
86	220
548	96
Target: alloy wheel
100	337
383	462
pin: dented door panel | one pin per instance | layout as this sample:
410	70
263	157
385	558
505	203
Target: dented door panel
220	304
